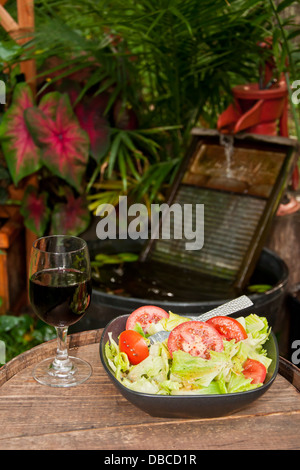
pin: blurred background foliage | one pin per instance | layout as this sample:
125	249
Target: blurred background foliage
21	333
164	66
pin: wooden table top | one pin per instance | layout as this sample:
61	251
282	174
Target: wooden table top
94	415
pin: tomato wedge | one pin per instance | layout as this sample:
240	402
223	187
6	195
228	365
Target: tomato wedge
254	370
196	338
228	327
134	345
145	316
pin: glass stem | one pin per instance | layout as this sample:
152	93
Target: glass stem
62	361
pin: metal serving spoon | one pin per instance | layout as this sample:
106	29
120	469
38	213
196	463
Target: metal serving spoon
226	309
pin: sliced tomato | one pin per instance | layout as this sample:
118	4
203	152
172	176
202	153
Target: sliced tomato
145	316
254	370
196	338
134	345
228	327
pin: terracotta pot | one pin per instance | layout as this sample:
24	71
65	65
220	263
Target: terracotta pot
256	111
259	111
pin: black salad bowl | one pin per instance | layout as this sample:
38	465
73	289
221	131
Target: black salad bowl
189	406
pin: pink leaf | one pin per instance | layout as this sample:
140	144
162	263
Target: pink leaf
89	112
71	218
64	145
20	151
48	104
35	211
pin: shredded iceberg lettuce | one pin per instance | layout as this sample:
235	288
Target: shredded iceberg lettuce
184	374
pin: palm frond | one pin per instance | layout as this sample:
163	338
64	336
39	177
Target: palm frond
174	61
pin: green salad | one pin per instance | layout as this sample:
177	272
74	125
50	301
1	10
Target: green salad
229	359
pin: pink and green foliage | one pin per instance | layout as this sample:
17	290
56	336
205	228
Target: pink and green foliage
51	138
35	210
64	144
70	218
48	134
21	153
90	115
48	104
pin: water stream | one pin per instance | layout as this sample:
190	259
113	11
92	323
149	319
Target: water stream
227	140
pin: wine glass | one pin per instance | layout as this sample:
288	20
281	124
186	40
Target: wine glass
60	293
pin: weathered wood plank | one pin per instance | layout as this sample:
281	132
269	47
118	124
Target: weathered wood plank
252	432
94	415
42	351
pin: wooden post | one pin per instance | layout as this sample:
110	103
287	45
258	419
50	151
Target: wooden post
20	32
26	24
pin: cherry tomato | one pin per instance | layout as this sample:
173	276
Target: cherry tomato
196	338
145	316
254	370
229	328
134	345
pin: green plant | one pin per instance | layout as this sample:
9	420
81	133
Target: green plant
170	63
287	56
47	138
10	55
21	333
5	180
164	66
259	288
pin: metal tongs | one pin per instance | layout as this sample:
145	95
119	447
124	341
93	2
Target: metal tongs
223	310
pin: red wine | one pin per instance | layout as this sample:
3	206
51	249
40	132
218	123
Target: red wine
60	297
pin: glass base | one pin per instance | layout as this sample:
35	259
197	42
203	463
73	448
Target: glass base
74	372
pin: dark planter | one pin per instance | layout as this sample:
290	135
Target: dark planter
270	270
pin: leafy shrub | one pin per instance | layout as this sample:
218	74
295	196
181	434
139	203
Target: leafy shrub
21	333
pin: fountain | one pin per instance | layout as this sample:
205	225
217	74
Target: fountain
241	191
227	141
239	202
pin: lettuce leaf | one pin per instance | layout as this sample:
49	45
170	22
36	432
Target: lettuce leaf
258	332
117	360
138	328
165	324
248	350
142	385
172	321
153	367
256	327
184	374
169	387
190	368
212	389
239	383
201	372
